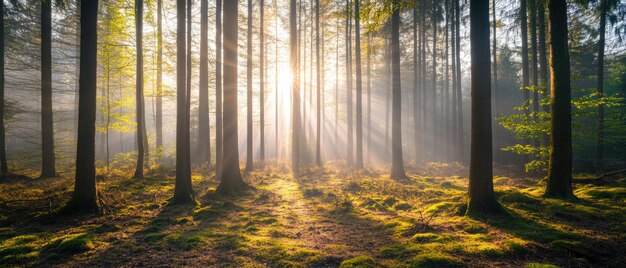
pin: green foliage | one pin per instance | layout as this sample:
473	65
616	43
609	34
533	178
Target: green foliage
71	244
534	126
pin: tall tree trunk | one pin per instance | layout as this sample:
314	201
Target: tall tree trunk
187	107
318	143
350	156
481	196
219	145
455	82
276	80
249	133
446	103
139	102
337	90
369	98
47	123
436	140
262	88
525	70
459	95
397	167
204	134
295	87
359	88
388	81
494	53
4	168
415	88
183	191
423	93
85	195
543	59
560	163
533	59
231	181
601	44
159	93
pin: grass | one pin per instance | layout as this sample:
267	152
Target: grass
325	218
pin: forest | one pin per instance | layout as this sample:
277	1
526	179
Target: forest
313	133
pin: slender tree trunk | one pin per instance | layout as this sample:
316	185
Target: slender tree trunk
219	145
231	181
543	59
85	195
369	98
601	44
204	134
276	80
533	59
525	70
481	196
295	87
423	90
496	100
187	107
387	87
48	168
159	93
359	88
350	156
183	192
415	88
249	128
262	88
4	168
139	114
318	145
337	90
560	163
436	140
397	167
446	103
455	82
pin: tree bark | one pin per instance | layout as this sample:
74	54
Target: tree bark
139	101
4	168
295	87
560	161
249	128
183	191
415	87
318	142
48	168
359	88
350	149
219	145
481	196
262	87
601	45
85	195
159	91
397	168
204	134
231	181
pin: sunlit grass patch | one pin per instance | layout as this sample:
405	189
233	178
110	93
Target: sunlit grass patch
359	262
435	260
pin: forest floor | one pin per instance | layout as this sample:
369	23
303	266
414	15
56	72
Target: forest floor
326	218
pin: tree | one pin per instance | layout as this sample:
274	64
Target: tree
159	86
249	158
183	191
204	135
560	161
219	145
533	58
481	196
397	168
48	168
85	195
416	120
262	85
318	147
4	168
230	181
601	44
139	100
295	87
525	71
350	156
359	88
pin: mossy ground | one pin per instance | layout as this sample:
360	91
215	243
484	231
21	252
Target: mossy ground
328	217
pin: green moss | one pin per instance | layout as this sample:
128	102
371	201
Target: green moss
435	260
372	204
402	206
429	237
397	251
312	192
74	243
540	265
359	262
441	207
187	242
153	237
389	201
474	227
